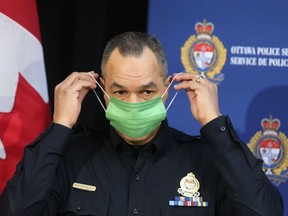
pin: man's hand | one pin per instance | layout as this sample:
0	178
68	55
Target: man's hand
69	95
202	95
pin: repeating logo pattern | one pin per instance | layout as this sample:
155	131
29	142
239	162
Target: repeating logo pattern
204	53
271	146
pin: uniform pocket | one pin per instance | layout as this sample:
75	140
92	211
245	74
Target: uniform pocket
81	202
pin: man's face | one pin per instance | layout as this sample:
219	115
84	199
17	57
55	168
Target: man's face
133	79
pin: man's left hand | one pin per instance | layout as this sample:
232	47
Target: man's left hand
202	95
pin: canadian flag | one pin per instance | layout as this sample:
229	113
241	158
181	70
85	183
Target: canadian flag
24	108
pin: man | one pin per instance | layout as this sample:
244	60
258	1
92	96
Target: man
139	165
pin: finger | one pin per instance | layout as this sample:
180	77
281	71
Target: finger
187	85
87	76
83	84
76	86
75	76
93	75
186	76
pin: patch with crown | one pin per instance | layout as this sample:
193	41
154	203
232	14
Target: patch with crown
190	196
204	53
271	146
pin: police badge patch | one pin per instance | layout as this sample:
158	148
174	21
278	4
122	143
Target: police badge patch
204	53
189	186
272	147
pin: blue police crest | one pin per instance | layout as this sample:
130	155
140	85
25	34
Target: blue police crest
272	147
204	53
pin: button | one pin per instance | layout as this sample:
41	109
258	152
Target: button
135	211
222	128
137	177
79	209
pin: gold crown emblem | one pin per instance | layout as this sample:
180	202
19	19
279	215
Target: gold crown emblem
270	126
204	27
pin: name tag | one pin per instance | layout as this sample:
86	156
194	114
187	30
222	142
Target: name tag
84	187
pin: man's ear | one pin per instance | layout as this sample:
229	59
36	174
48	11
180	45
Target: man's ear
102	83
167	82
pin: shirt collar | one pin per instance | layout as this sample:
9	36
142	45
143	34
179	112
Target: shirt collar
161	141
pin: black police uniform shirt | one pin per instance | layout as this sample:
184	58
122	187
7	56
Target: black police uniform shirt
97	173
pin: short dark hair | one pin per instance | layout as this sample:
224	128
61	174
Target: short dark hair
133	44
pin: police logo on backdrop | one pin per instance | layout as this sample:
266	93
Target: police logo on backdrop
204	53
272	147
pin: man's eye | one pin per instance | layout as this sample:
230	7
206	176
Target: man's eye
120	92
147	92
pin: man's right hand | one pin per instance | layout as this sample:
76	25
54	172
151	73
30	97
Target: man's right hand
68	97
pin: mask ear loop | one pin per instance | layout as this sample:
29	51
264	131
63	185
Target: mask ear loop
96	92
174	94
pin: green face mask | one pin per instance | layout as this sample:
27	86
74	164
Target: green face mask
135	119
